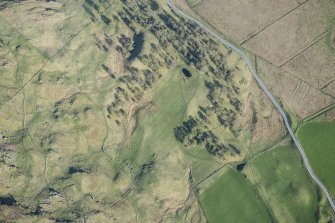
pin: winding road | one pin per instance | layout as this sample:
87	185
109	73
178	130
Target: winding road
269	95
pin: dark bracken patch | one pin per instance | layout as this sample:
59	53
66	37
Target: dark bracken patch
240	166
8	200
186	72
73	170
154	5
105	19
137	46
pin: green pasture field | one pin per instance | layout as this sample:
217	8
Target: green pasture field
231	199
284	184
318	140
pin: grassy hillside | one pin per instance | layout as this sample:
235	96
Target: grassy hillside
92	95
99	123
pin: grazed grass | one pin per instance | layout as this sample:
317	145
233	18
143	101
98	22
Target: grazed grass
231	199
318	140
284	184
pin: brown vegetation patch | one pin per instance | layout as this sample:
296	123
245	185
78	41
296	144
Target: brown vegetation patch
300	98
266	124
330	115
294	32
10	213
240	19
183	4
330	88
316	65
332	39
7	147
